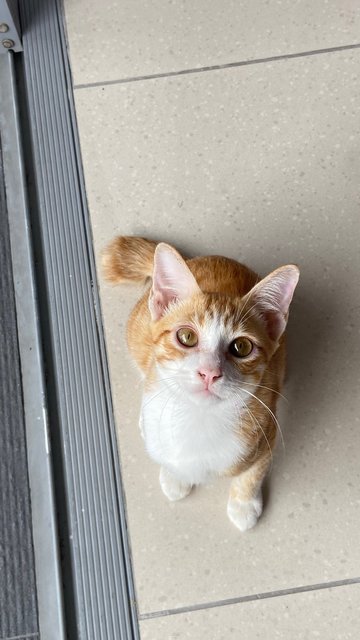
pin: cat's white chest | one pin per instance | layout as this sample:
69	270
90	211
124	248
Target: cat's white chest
194	441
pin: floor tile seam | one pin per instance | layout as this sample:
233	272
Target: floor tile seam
217	67
249	598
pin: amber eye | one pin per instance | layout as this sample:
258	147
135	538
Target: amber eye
187	337
241	347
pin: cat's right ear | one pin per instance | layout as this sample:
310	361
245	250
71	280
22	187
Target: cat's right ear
172	280
271	297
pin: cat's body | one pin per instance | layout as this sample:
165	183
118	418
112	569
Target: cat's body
203	441
213	360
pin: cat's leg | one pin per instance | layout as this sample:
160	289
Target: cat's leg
245	501
172	487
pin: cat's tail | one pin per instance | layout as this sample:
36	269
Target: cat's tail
128	259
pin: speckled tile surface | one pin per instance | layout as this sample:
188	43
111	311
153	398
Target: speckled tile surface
126	38
258	163
331	614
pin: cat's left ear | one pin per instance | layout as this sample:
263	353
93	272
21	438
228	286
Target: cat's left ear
172	280
271	298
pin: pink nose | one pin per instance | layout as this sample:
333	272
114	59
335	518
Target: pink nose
210	375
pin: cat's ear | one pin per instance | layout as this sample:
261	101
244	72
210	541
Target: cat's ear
172	280
271	297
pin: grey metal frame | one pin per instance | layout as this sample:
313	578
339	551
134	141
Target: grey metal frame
47	566
9	26
98	592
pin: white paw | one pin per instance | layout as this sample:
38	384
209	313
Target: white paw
244	515
172	487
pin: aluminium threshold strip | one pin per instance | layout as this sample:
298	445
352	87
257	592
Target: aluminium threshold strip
95	589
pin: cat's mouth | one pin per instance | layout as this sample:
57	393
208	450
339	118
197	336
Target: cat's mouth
207	393
200	392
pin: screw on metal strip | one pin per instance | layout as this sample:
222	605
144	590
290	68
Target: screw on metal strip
8	44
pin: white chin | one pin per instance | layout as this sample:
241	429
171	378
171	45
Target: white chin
201	396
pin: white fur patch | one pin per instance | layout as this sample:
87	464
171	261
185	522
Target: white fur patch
193	434
193	441
173	488
244	515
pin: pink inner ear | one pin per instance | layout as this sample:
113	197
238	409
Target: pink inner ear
172	280
272	297
275	324
286	289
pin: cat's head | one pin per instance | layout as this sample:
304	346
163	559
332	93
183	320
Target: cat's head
213	346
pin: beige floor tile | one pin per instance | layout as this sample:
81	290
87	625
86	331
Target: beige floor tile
119	39
261	164
331	614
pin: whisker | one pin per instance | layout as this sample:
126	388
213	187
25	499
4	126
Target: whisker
166	379
242	315
246	315
265	436
276	422
163	409
252	417
260	427
158	394
261	386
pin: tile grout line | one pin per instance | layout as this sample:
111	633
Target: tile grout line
250	598
217	67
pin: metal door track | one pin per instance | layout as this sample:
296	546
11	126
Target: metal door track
95	586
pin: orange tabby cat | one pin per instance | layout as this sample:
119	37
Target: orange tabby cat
208	336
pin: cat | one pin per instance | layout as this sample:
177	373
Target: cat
208	338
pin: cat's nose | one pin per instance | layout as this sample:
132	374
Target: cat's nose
210	375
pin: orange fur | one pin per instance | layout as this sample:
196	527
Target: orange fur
223	283
128	259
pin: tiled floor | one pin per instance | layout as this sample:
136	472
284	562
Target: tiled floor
259	162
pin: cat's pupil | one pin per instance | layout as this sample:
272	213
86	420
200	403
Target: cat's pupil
241	347
187	337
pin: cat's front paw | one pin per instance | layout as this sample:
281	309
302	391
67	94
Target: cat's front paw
172	487
244	515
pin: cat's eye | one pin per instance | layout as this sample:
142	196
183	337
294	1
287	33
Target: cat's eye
241	347
187	337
